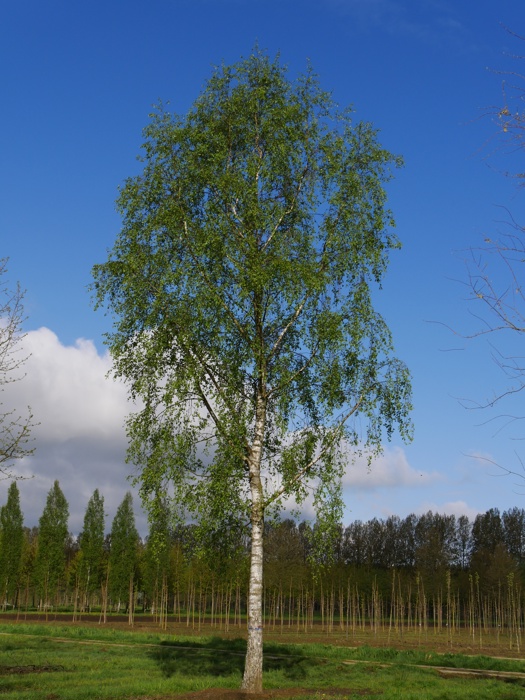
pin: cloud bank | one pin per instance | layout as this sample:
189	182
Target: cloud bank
390	469
80	438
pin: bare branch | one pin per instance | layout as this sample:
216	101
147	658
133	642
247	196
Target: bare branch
15	430
504	471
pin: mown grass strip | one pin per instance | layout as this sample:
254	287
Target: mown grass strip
128	668
275	650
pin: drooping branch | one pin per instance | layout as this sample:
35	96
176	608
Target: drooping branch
335	434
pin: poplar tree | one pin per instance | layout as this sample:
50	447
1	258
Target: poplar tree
157	552
123	552
92	544
514	533
11	545
53	533
241	286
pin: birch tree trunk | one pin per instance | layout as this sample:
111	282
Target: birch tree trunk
252	680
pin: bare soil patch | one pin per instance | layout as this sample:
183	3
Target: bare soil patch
225	694
30	668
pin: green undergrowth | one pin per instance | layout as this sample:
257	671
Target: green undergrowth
75	663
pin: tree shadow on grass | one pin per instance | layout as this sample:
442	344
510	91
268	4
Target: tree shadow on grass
221	657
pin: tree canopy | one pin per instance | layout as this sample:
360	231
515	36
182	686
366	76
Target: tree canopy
241	286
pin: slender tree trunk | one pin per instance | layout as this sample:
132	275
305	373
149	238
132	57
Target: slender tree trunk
104	609
131	605
252	680
75	598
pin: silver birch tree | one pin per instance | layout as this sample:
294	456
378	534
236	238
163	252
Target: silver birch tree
241	289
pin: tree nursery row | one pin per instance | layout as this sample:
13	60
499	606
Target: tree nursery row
422	570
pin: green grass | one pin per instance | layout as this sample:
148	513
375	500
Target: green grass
65	662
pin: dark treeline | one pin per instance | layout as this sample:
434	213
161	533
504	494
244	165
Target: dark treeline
420	570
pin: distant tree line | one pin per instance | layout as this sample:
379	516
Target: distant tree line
433	566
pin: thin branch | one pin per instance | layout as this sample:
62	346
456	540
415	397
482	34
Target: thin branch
288	211
506	471
285	330
213	289
279	389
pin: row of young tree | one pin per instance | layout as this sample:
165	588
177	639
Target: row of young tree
47	566
172	570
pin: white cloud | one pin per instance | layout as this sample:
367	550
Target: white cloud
68	389
80	439
456	508
376	491
390	469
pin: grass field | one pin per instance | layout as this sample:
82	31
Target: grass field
56	661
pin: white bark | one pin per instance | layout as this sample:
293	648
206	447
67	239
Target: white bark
252	680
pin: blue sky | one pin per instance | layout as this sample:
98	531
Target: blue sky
78	82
